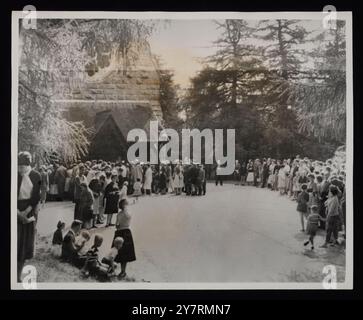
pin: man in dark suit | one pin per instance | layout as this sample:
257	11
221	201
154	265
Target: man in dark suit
324	196
200	180
69	248
60	179
187	180
237	173
264	177
195	176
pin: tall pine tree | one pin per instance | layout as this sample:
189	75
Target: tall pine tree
284	58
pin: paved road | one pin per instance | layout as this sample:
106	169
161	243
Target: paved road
233	234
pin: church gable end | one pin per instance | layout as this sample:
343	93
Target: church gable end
108	142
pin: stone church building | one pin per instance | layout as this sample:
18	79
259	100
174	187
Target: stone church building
113	102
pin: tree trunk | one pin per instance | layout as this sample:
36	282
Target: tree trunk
234	77
283	112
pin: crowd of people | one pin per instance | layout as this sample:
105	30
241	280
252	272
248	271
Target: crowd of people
96	187
318	187
101	190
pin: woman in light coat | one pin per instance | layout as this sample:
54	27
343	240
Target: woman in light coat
148	180
281	184
178	180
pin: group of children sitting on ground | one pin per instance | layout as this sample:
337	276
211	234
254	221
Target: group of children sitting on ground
74	250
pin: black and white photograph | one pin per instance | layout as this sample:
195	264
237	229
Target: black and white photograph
181	150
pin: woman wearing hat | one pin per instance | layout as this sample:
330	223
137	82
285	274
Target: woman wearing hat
29	182
250	175
148	179
112	195
79	178
86	205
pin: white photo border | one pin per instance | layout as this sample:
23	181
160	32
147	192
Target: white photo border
346	16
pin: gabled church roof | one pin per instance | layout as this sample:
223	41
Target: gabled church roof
127	117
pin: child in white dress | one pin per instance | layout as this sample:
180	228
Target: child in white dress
137	189
81	241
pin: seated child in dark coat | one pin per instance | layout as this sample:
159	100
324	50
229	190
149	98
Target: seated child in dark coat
92	264
69	248
57	240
